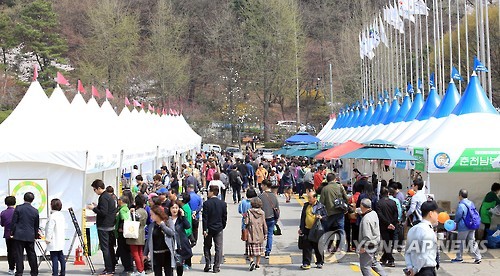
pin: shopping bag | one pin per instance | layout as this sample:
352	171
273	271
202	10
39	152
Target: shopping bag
316	231
131	228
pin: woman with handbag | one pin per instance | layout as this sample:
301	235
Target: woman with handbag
244	206
311	229
256	226
137	245
183	247
160	246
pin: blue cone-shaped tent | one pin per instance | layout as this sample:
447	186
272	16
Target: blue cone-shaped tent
391	114
449	102
302	137
474	99
430	105
403	110
418	102
381	115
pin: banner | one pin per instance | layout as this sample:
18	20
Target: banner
18	187
469	160
419	153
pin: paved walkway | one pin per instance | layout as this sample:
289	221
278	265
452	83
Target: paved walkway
285	257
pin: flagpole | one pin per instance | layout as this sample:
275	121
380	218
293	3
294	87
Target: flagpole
488	51
420	37
458	45
437	56
400	38
411	55
466	42
482	44
417	73
390	64
427	47
451	37
404	51
443	82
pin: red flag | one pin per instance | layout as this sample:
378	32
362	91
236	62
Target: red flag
163	111
109	95
158	111
35	72
136	103
150	108
61	79
95	92
142	105
80	87
127	102
171	111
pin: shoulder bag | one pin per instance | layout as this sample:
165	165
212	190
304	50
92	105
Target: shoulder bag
276	210
131	228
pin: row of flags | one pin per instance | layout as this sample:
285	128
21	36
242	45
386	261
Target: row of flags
61	80
372	35
455	75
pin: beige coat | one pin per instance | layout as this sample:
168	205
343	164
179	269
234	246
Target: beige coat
256	224
143	216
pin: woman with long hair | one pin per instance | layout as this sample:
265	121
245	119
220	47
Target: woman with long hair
160	242
137	245
181	225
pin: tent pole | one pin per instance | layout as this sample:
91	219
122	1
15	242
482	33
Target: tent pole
427	171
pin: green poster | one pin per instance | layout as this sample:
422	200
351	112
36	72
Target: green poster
476	160
420	163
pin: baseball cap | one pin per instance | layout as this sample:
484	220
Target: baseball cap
162	191
151	195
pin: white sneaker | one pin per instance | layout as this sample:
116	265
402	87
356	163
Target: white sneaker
11	272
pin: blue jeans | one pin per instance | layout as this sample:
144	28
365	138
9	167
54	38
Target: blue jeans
58	257
270	232
334	222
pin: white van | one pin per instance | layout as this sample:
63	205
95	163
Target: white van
289	125
211	147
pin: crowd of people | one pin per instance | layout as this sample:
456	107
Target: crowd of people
169	208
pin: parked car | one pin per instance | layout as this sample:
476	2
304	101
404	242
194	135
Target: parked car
211	147
267	154
237	153
288	125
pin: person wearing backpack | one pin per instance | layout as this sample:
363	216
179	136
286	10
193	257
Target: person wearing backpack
468	220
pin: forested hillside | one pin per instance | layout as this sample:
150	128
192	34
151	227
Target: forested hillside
222	60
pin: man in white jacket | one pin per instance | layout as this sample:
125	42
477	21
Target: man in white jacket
54	237
369	240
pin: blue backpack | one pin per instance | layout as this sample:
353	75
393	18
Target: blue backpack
472	219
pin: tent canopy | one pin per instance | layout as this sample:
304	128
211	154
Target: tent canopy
339	150
302	137
380	153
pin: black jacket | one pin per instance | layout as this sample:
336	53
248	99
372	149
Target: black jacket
106	211
181	224
318	209
387	212
214	216
233	178
25	223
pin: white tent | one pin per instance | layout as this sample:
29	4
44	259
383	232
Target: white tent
60	148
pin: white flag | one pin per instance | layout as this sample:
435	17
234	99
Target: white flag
374	35
420	7
391	16
383	36
405	10
368	46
